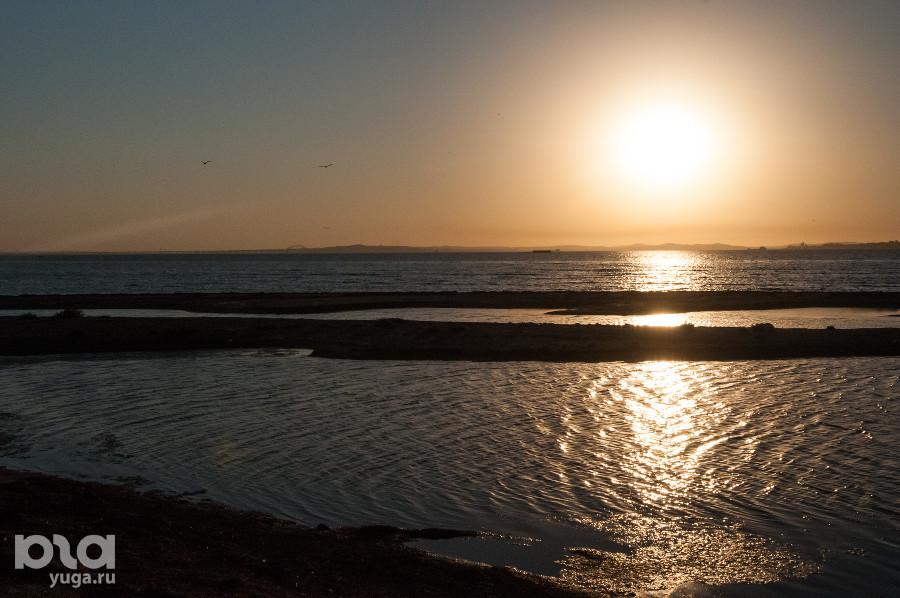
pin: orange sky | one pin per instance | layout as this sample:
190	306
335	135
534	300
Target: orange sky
446	123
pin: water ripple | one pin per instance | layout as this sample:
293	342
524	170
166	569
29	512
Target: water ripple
789	465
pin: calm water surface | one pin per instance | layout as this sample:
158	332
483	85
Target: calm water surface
762	478
781	318
830	270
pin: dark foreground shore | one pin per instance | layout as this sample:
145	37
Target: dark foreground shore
402	339
167	546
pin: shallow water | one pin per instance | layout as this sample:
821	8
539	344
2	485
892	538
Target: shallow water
781	318
813	317
763	478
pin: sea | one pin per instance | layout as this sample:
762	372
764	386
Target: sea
658	478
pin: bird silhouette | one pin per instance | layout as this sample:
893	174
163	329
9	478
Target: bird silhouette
325	165
206	161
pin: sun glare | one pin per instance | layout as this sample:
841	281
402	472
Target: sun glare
662	146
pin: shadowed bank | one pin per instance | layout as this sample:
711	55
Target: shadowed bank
168	546
476	341
393	338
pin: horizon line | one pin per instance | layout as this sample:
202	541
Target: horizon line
363	248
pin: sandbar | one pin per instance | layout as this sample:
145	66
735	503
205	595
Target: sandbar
392	338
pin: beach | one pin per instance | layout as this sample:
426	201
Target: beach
172	546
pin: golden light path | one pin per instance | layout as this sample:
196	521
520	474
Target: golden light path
667	440
664	440
671	430
665	270
660	320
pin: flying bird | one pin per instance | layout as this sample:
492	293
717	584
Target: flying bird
206	162
325	165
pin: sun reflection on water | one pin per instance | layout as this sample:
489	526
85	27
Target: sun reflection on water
666	270
667	443
659	320
672	425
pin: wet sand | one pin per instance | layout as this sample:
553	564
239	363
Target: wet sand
168	546
401	339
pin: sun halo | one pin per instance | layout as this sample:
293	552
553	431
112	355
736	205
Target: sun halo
661	147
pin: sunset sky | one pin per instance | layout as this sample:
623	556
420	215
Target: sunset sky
519	123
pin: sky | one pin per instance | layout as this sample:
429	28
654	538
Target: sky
467	123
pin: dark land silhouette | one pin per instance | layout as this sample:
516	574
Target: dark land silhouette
393	338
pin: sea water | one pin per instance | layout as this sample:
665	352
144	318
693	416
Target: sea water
810	270
759	478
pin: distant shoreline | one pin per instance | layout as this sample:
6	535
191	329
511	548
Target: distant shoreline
553	249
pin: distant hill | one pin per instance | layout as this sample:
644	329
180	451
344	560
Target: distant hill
553	248
300	249
490	249
680	247
879	245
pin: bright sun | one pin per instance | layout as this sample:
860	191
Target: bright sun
662	146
